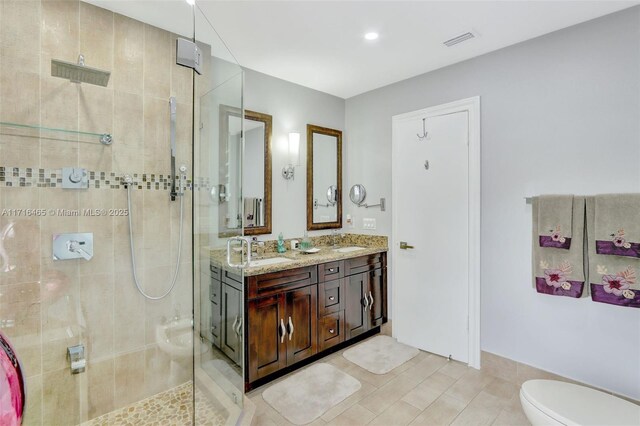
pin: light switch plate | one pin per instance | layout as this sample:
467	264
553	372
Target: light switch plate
368	223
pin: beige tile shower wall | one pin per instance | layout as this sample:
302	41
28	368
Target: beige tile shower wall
46	306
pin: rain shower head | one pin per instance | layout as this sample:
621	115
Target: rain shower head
79	73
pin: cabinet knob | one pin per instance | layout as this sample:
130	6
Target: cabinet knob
332	298
332	270
331	330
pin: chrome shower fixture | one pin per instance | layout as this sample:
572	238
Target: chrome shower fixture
79	72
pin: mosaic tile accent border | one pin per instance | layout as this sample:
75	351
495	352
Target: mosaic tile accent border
52	178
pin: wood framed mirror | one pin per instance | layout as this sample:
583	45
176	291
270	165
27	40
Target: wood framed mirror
324	178
256	174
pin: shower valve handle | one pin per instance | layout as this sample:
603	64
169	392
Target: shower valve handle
74	247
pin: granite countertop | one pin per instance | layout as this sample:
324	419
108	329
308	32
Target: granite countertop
299	259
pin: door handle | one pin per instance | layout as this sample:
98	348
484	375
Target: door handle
366	302
290	328
371	297
283	330
235	321
405	246
239	327
243	241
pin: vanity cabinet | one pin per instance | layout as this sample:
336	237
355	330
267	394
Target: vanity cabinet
295	314
231	339
225	293
282	317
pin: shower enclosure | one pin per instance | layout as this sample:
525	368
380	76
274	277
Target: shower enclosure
91	98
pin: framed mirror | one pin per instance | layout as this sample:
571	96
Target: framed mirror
256	175
324	178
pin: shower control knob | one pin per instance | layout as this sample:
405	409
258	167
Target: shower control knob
76	175
74	178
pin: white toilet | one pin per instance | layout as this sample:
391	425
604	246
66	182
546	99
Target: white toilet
550	402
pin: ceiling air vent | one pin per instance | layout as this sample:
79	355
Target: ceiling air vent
459	39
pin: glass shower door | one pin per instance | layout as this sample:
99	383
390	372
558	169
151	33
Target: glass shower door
218	230
92	347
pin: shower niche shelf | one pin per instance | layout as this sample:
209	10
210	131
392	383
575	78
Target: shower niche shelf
41	132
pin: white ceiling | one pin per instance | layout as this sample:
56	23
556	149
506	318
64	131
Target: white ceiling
320	44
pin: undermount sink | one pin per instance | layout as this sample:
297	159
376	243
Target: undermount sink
271	261
348	249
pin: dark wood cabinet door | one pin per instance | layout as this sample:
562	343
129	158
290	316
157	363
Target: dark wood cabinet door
302	321
356	317
377	295
232	322
266	336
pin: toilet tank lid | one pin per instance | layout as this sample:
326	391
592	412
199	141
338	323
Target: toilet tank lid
572	404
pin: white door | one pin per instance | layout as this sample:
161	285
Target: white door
431	213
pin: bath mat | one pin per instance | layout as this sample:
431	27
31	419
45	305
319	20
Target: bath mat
307	395
380	354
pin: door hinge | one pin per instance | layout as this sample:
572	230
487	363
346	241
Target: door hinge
188	54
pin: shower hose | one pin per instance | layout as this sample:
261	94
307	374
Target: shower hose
133	252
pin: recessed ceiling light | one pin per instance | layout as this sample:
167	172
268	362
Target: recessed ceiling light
371	36
191	2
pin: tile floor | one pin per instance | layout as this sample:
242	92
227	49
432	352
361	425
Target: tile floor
427	390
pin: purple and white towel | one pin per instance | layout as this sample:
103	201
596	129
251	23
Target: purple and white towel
617	225
561	272
612	277
555	221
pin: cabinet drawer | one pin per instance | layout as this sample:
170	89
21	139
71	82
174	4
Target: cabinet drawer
215	272
232	279
331	330
276	282
330	271
362	264
330	297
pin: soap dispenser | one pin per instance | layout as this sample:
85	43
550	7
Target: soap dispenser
306	242
281	247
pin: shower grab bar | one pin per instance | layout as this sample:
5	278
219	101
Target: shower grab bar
172	135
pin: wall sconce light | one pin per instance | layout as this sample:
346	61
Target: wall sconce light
293	156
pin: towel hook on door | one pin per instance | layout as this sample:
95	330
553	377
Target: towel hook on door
424	131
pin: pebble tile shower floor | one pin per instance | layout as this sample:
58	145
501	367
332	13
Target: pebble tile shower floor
170	408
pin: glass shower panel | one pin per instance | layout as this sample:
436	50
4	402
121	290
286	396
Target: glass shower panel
219	289
92	347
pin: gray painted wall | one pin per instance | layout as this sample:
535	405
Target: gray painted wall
292	107
560	114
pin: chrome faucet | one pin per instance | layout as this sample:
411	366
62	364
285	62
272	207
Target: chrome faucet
253	247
